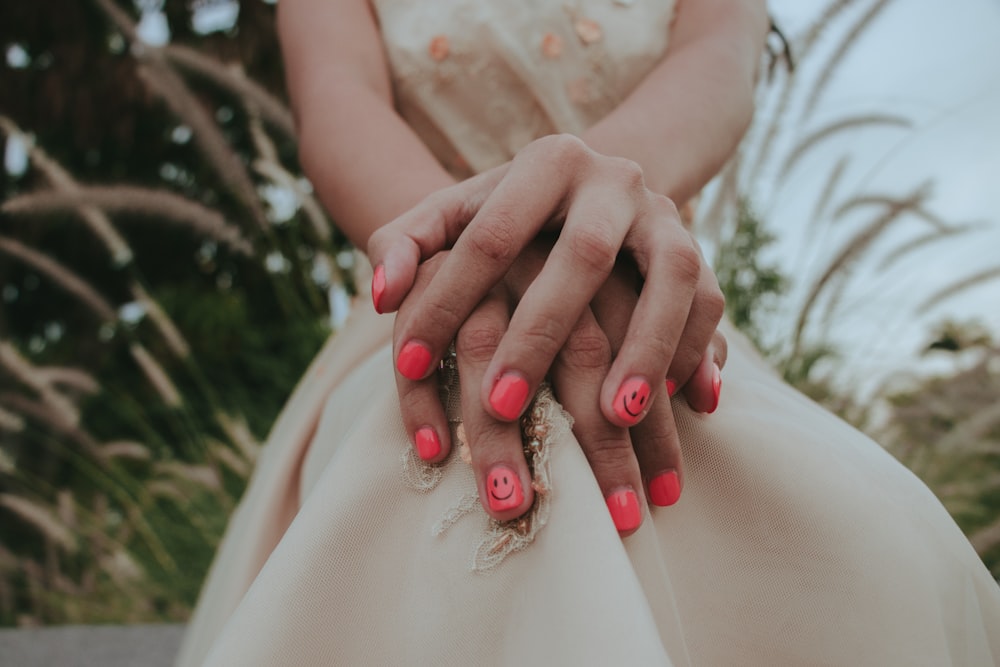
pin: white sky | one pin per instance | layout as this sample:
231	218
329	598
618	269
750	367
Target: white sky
940	68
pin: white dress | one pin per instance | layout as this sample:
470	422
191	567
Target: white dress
797	541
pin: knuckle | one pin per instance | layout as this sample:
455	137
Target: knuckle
478	342
587	350
663	206
714	303
628	173
610	455
496	240
593	247
685	261
543	337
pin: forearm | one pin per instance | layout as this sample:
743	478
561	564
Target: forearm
687	117
365	162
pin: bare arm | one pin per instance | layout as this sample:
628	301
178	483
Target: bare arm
680	124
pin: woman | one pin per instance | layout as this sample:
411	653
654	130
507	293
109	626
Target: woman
361	541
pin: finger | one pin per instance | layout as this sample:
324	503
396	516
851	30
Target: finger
529	195
658	450
706	312
579	263
576	375
502	474
397	248
654	439
703	391
670	263
420	406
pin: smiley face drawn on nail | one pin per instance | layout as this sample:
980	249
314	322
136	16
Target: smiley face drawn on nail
634	398
501	488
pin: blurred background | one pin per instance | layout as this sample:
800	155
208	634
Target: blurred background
166	274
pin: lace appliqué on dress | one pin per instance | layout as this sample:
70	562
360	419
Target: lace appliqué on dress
542	424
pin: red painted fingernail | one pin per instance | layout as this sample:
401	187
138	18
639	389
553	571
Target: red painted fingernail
428	445
632	400
378	288
624	508
665	489
508	395
503	489
413	360
671	387
716	387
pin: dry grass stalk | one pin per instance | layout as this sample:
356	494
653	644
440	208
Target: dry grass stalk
234	81
826	195
858	244
839	55
126	449
926	239
157	377
159	205
42	519
810	141
171	334
24	371
239	433
201	475
976	279
42	413
231	460
61	276
61	181
10	422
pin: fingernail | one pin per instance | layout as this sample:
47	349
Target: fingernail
665	489
632	400
624	508
427	443
503	489
413	360
508	395
671	387
716	387
378	288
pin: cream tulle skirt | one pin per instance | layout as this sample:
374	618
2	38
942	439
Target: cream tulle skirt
797	541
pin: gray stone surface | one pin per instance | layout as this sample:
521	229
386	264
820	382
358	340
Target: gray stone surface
91	646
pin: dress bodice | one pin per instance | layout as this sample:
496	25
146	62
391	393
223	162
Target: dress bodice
479	79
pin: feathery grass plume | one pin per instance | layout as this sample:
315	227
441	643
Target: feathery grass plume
858	244
810	141
70	378
269	166
915	206
157	377
234	81
157	204
61	276
230	459
126	449
975	280
61	181
986	539
25	373
239	433
171	334
42	519
864	22
207	136
11	422
161	79
43	414
201	475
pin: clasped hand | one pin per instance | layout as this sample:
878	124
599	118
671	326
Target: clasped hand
559	264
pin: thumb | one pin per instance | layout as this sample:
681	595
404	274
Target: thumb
398	247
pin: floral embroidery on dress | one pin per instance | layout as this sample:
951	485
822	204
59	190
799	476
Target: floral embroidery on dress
543	422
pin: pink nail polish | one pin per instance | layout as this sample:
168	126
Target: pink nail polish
378	288
503	489
665	489
624	508
508	395
427	443
671	387
716	387
413	360
632	400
